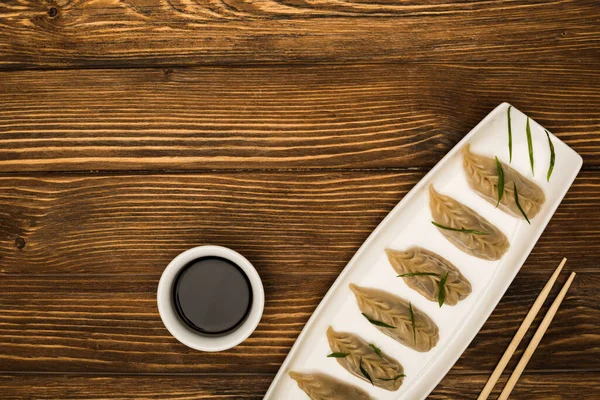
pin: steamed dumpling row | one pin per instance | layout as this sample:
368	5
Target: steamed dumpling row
399	319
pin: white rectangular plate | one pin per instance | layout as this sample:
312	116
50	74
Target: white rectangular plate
409	224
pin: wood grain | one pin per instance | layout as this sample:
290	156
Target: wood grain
63	33
531	386
140	387
110	324
280	220
131	130
355	116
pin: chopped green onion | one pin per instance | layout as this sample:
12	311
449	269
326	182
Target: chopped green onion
529	145
412	321
364	372
442	292
338	355
519	206
509	134
473	231
552	157
378	323
376	349
500	181
392	379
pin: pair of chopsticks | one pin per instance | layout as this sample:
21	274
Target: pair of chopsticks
537	337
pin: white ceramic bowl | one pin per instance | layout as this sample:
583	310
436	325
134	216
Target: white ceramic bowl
182	332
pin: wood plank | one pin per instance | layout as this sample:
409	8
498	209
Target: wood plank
356	116
127	224
138	387
531	386
148	32
359	116
110	323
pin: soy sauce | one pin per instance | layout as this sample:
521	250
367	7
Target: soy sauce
212	295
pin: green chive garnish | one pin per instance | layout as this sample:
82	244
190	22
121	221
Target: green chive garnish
392	379
417	274
529	145
338	355
412	321
378	323
473	231
500	181
442	292
509	134
519	206
376	349
552	157
364	372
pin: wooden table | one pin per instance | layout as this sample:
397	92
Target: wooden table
132	130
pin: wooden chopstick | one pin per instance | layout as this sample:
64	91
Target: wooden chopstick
539	301
537	337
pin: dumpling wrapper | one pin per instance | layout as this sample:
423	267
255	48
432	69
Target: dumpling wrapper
385	372
394	311
453	214
319	386
417	259
482	175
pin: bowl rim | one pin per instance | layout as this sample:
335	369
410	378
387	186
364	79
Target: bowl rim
182	332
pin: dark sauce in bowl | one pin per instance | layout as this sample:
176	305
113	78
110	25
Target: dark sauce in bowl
212	295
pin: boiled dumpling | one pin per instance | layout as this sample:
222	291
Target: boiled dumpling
382	370
324	387
482	175
481	239
417	260
392	316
